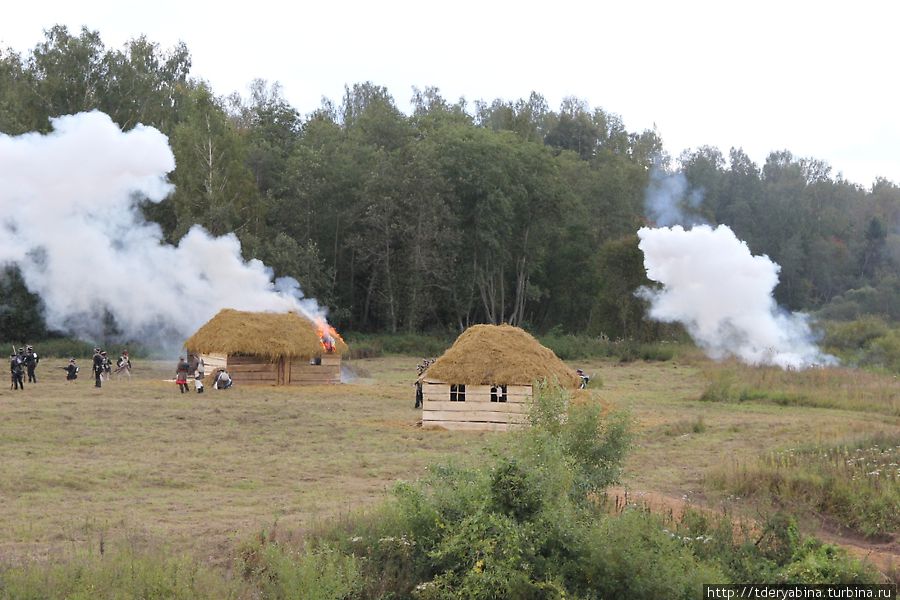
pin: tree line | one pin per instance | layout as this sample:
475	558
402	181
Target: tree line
457	213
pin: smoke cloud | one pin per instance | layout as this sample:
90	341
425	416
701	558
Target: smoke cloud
722	294
69	218
670	200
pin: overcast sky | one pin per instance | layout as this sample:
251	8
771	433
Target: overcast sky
816	78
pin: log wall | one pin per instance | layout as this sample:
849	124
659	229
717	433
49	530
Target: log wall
477	412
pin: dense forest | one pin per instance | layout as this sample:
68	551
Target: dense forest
457	212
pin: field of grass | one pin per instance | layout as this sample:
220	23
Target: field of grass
137	463
202	471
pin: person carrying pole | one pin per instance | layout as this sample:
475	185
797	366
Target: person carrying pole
15	373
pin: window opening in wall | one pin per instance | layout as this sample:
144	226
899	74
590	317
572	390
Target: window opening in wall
457	393
498	393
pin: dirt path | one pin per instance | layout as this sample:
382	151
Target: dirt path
884	556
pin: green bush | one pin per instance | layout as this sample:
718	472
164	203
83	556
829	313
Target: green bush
854	335
282	573
775	552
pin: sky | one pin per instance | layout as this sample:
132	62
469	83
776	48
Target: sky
816	78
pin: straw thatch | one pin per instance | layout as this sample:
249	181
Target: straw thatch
270	335
499	355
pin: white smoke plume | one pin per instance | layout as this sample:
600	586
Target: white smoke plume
722	294
69	218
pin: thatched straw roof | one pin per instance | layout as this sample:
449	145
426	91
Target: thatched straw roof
499	355
272	335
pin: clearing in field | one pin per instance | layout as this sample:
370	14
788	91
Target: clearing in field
199	473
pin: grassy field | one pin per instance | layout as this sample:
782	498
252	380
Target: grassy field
138	462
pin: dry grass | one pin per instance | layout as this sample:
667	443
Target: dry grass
841	388
499	355
200	473
202	470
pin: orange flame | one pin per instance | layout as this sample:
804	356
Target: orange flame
328	335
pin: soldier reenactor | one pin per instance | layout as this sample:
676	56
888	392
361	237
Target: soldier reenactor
71	370
97	366
123	365
31	361
15	373
107	365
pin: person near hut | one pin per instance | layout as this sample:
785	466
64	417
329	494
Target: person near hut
123	365
97	367
71	370
181	374
421	368
198	368
15	373
223	380
198	383
31	361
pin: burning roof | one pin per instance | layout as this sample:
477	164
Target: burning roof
499	355
273	335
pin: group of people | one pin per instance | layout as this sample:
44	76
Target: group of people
22	361
193	368
101	366
25	361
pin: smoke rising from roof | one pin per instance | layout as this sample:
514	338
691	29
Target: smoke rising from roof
71	222
722	294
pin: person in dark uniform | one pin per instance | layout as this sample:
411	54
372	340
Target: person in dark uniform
97	367
31	361
71	370
15	372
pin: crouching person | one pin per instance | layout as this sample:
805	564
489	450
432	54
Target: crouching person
223	380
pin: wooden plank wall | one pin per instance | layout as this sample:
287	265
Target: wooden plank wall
253	370
300	372
256	370
477	413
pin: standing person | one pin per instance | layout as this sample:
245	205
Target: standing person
71	370
97	366
123	365
107	366
181	374
15	373
31	361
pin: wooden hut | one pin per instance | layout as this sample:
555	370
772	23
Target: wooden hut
260	348
483	382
